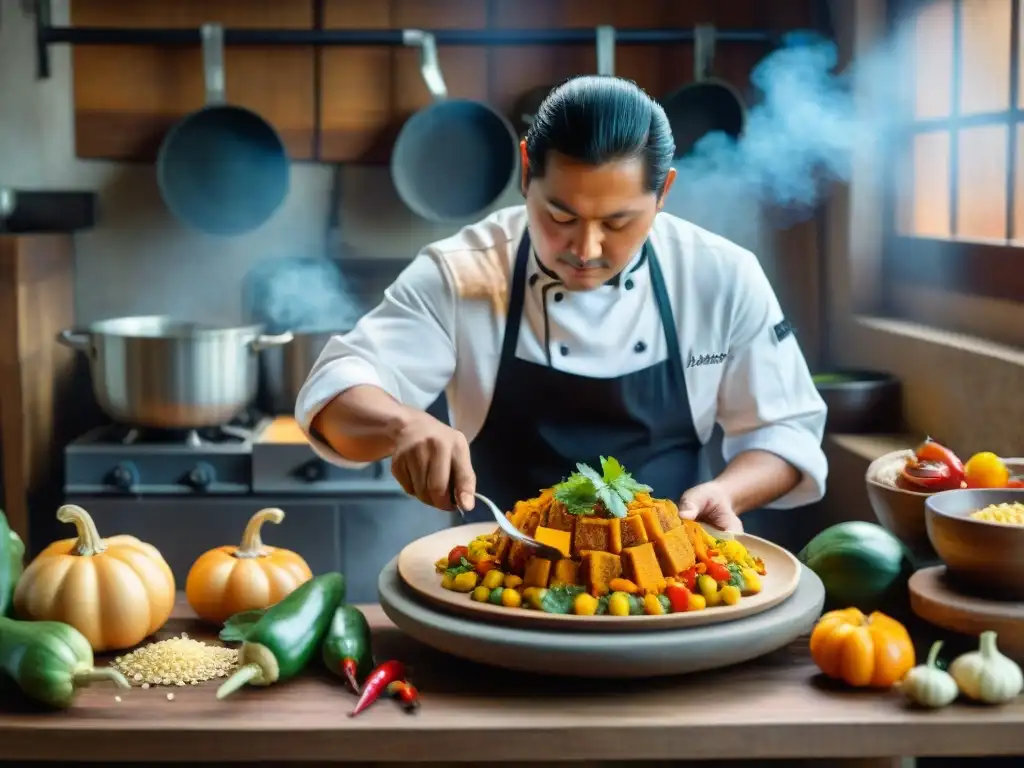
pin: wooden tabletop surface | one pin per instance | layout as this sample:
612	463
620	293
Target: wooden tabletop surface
775	707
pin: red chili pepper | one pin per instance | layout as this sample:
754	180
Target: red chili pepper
930	450
717	571
377	683
689	578
406	693
349	669
678	598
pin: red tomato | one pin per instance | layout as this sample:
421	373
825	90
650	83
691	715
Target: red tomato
717	571
931	451
678	598
456	555
689	578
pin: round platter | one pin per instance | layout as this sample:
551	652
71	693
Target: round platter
941	604
607	654
416	568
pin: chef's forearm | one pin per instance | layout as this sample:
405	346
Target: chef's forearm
756	478
361	423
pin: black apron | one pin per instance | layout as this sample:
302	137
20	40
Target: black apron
543	421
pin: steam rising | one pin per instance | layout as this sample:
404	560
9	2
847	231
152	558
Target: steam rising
798	137
306	295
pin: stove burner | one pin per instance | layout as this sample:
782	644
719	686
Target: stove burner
193	438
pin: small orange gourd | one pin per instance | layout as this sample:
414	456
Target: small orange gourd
228	580
873	651
115	591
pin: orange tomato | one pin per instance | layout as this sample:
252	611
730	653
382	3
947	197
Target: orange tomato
863	651
986	470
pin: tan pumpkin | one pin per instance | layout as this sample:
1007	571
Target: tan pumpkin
228	580
115	591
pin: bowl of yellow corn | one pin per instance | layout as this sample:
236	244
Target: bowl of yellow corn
979	534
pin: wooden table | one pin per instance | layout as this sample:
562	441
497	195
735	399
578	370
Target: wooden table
772	708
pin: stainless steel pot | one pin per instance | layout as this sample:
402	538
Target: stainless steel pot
285	368
160	372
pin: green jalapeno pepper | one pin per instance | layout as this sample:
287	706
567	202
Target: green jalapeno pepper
347	648
12	563
49	660
281	643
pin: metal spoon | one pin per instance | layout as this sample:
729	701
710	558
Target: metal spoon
540	550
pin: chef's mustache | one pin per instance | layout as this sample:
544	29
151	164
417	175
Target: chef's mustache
575	263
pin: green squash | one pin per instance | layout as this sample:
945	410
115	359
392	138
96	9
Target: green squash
12	563
861	564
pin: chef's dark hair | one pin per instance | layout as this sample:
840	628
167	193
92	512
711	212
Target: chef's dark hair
596	119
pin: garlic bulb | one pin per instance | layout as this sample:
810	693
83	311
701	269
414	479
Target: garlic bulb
928	686
986	675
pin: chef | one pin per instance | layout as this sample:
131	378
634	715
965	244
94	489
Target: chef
585	323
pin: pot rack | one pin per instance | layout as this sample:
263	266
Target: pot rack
47	34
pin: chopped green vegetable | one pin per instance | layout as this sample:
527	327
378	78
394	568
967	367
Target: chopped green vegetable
559	599
613	488
666	604
464	566
602	605
736	573
495	596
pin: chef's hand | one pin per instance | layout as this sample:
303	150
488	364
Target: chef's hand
709	504
430	459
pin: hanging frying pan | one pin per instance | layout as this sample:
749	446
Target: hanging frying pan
455	158
224	169
707	105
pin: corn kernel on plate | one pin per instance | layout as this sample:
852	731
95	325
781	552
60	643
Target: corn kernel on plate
766	576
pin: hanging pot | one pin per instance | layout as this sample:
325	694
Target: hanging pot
707	105
224	169
453	160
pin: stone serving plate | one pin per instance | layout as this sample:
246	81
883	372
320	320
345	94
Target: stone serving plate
416	568
609	654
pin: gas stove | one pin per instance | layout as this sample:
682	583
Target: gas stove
191	491
252	455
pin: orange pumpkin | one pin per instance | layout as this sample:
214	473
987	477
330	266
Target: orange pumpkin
228	580
115	591
863	651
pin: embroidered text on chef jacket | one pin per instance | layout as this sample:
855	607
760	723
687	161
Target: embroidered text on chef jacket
440	328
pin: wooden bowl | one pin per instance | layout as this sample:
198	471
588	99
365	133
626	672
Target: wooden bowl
985	558
902	512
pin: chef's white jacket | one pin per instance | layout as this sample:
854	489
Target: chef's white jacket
440	328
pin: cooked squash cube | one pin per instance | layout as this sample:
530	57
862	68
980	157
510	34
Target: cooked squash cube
592	535
560	540
627	532
674	551
668	514
565	572
599	568
642	568
560	519
652	522
537	572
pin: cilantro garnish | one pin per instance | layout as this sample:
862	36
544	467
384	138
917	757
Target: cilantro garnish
463	567
613	487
